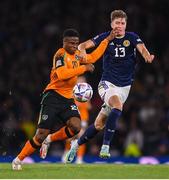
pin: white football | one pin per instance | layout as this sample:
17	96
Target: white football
82	92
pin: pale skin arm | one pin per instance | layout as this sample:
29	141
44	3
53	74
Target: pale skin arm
86	45
90	44
145	53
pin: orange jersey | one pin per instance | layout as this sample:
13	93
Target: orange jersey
65	71
66	68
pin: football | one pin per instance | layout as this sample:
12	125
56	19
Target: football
82	92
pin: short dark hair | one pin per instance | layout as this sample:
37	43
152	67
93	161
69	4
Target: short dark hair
118	14
70	33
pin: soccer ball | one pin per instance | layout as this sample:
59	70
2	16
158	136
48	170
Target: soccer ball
82	92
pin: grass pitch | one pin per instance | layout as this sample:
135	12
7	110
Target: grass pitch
85	171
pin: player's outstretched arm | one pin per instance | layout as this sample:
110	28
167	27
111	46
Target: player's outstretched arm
86	45
83	47
145	53
90	44
99	51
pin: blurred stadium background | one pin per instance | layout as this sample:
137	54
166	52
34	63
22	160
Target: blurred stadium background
30	33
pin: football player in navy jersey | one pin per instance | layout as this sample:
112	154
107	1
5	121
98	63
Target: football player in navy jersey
119	61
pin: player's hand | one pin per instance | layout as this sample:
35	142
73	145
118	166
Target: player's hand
112	35
90	67
150	58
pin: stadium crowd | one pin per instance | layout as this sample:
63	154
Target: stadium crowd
30	33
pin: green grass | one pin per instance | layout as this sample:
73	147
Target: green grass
85	171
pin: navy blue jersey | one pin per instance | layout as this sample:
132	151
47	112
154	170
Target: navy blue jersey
119	59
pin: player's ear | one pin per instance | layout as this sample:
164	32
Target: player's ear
111	24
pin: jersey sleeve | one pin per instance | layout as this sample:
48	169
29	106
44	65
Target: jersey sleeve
136	39
97	39
64	73
58	59
98	52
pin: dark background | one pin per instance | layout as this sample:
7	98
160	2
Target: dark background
31	32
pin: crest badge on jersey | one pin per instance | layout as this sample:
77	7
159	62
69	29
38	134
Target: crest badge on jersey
126	43
78	57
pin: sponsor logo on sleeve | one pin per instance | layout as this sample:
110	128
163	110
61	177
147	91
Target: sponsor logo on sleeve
139	40
58	63
96	37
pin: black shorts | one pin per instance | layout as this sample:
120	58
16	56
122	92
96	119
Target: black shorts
56	109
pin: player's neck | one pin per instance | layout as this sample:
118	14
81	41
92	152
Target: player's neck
120	36
69	52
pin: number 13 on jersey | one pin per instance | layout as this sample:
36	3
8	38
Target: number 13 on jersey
120	52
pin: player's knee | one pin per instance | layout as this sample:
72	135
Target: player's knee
114	102
41	135
75	129
99	126
75	125
119	107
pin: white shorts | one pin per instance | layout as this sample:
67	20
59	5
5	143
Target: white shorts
107	90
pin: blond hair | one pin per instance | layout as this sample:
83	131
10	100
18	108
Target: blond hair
118	14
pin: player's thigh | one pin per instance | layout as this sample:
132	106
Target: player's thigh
49	112
115	102
109	92
69	112
47	117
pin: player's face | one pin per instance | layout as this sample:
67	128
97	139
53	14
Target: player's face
120	25
70	44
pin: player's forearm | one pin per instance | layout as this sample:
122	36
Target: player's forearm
82	47
98	52
86	45
143	51
64	73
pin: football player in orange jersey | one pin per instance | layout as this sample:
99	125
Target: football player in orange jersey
83	108
57	103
